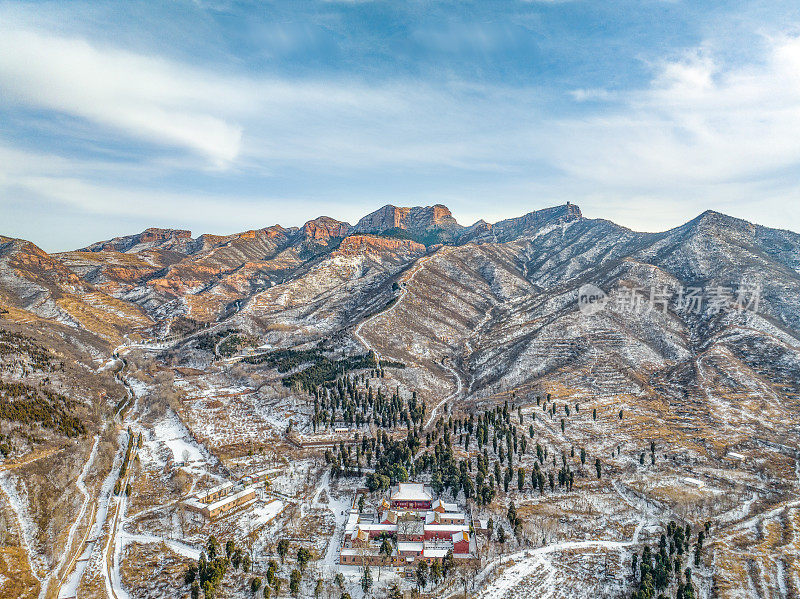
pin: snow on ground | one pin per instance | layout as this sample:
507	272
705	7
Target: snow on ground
265	513
292	478
114	577
222	414
171	432
110	363
138	387
530	563
177	546
80	484
739	512
541	572
278	412
340	506
19	505
92	552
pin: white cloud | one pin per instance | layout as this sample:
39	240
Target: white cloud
597	94
216	213
142	96
701	135
699	121
256	121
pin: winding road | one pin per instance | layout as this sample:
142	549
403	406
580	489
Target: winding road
67	575
532	573
406	280
65	563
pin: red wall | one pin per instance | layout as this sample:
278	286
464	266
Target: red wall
461	547
417	505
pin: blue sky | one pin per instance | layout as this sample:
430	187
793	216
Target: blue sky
226	116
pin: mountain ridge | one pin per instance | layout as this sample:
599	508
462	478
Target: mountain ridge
479	317
168	272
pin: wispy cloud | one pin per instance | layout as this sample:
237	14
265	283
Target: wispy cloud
596	94
144	97
697	132
699	121
252	120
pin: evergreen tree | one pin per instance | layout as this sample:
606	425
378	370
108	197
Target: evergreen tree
422	574
255	584
512	515
501	535
303	557
448	564
294	582
283	548
435	572
212	547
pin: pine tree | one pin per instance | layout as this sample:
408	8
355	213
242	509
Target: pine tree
294	582
303	557
366	580
422	574
512	515
255	584
501	535
283	548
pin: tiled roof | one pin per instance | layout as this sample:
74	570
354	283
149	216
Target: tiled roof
411	492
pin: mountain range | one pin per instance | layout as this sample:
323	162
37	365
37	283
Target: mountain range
508	288
500	300
695	330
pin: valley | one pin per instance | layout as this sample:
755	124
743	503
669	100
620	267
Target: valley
200	417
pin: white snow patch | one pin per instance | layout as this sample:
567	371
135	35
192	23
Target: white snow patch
172	433
266	513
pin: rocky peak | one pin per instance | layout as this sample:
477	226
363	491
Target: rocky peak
276	231
154	234
512	228
711	220
174	239
321	230
35	265
416	219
